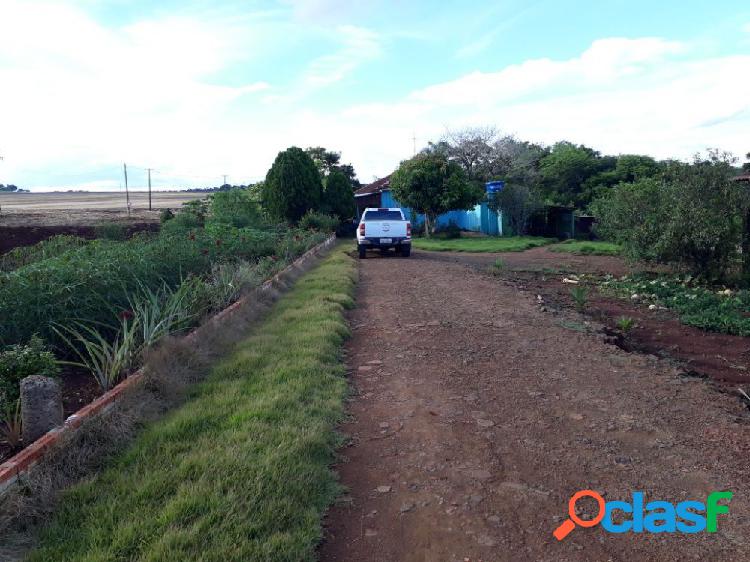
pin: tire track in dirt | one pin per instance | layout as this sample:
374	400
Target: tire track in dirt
475	416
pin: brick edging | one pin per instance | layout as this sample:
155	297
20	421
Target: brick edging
30	456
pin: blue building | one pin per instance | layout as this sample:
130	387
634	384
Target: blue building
479	219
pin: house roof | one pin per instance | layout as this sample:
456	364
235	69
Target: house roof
378	186
744	177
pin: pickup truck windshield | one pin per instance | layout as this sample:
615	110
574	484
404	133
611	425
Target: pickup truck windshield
382	216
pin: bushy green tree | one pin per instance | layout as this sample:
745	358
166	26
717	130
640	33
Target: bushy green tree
292	186
565	170
431	184
338	197
692	216
517	203
327	161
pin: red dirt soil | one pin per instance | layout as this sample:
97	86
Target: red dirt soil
477	412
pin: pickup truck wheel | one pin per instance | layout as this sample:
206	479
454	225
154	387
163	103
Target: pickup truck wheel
405	251
362	252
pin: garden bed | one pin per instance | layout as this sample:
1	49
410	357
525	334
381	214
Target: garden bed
240	471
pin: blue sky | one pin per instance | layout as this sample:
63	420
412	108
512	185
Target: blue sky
200	89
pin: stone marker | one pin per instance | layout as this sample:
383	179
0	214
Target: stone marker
41	406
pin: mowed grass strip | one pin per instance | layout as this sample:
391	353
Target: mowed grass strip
241	471
587	248
481	244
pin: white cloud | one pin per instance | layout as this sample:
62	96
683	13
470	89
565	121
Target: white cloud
620	95
81	97
78	94
358	45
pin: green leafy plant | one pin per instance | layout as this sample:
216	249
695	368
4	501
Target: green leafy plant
625	324
318	221
162	312
580	296
10	423
497	267
106	360
20	361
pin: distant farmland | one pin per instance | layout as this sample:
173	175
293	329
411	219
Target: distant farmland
85	209
105	200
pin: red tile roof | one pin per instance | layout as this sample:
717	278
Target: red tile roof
378	186
745	177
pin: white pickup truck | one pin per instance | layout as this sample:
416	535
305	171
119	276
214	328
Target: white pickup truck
383	229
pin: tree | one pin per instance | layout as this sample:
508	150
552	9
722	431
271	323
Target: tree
431	184
326	161
692	216
564	171
746	165
517	203
292	185
338	197
8	188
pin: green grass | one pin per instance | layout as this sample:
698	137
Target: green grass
587	248
241	471
481	244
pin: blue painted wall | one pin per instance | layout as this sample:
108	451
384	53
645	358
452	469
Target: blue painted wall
479	219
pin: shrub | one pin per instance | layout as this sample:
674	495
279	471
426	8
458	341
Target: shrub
20	361
234	208
110	231
318	221
165	215
692	217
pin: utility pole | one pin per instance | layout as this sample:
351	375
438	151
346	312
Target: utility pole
225	180
149	188
127	193
414	143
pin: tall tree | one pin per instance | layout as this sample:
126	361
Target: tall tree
292	186
327	161
338	196
432	184
564	171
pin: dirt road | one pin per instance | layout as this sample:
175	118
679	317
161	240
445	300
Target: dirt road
476	415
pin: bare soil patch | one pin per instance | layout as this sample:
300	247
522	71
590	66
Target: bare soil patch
476	415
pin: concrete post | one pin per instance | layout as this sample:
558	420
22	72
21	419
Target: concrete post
41	406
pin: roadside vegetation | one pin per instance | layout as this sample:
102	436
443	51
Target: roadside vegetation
587	248
241	470
713	309
481	244
101	305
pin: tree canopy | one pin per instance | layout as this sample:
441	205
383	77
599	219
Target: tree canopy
432	184
292	186
338	196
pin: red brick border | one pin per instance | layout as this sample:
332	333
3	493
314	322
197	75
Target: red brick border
22	462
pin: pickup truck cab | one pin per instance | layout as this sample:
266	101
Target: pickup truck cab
384	229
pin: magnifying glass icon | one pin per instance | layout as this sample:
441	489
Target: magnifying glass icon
569	524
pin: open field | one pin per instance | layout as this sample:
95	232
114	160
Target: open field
85	209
